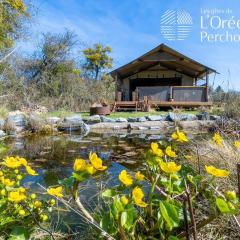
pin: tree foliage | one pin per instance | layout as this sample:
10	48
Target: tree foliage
97	59
12	15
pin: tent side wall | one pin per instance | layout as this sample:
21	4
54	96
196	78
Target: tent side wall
150	78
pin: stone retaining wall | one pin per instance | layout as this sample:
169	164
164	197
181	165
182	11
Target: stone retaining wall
18	122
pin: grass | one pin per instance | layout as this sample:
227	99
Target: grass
3	112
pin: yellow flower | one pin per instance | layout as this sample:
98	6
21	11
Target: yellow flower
23	161
125	178
170	167
30	171
44	217
37	204
1	173
217	172
57	192
217	139
230	195
90	169
96	162
21	212
33	196
11	162
156	150
237	144
16	196
19	177
170	152
22	190
139	176
7	182
179	136
138	195
124	200
52	202
79	165
3	192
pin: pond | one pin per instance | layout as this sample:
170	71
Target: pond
53	156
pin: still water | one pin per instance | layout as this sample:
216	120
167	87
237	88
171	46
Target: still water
53	156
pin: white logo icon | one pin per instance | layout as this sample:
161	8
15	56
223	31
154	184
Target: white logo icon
176	25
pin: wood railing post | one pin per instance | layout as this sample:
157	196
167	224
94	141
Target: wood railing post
119	96
171	94
207	83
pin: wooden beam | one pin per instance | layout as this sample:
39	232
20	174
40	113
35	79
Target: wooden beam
207	83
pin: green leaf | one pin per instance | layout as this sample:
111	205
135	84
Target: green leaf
128	217
131	216
124	216
3	149
19	233
117	207
169	214
108	193
165	216
80	176
222	205
67	182
107	223
173	238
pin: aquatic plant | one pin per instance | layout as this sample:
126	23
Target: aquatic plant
165	200
21	209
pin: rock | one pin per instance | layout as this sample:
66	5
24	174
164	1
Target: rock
35	123
17	118
94	119
188	117
74	123
154	128
53	120
156	118
107	119
142	128
141	119
173	117
215	117
131	119
2	122
154	137
2	134
203	116
197	125
85	129
120	120
74	119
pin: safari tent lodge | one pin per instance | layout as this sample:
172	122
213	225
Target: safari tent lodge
162	77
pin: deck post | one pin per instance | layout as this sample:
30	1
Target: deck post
171	94
207	83
195	81
116	87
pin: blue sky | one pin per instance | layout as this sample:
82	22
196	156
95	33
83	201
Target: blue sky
132	27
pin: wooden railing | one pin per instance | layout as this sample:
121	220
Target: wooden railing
168	93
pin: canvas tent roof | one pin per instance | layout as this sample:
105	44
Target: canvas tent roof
166	57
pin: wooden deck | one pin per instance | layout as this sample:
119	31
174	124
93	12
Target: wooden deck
142	106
